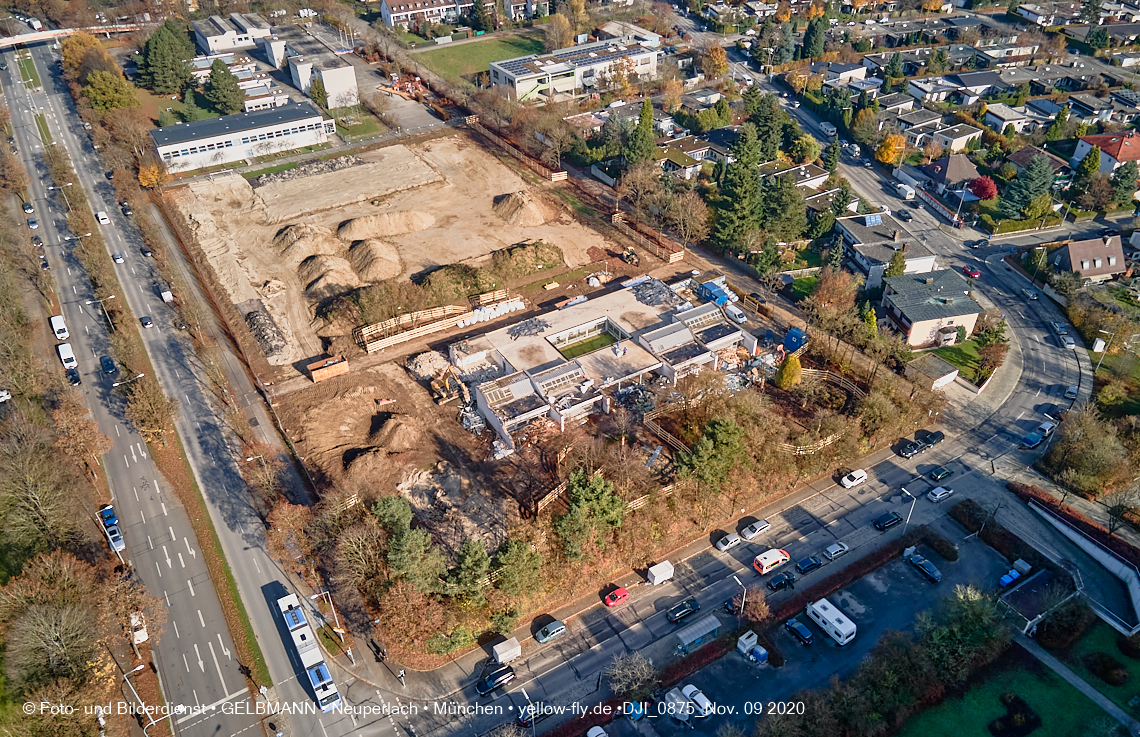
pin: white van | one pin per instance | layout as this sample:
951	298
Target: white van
770	560
66	355
831	620
102	218
59	327
735	314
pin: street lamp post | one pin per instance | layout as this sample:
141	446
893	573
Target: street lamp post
326	594
127	680
80	239
1109	345
913	499
128	381
744	596
60	188
1039	260
105	313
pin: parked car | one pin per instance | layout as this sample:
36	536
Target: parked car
497	677
941	473
1068	343
809	564
733	606
534	712
73	377
550	632
679	611
702	706
853	479
28	209
971	272
147	252
735	314
932	439
1032	440
799	631
139	635
905	216
115	539
117	258
107	515
108	365
617	596
926	568
782	581
728	542
912	448
127	210
32	224
146	322
978	243
887	521
939	493
836	550
754	529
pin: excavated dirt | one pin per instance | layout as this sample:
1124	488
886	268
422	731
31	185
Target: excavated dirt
257	239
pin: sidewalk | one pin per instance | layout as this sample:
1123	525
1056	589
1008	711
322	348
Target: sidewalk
1080	684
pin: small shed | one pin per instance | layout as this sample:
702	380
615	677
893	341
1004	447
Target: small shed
931	372
745	642
661	572
696	634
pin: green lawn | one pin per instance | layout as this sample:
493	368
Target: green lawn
806	259
801	288
42	127
964	356
359	123
1064	711
153	104
270	170
588	346
575	204
28	70
1102	638
454	62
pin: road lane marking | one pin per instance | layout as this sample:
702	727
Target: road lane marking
201	620
225	650
215	657
168	563
172	537
133	456
117	432
201	664
163	508
185	663
191	585
142	451
181	561
126	461
191	551
156	565
210	707
149	543
164	596
255	565
143	516
136	491
173	622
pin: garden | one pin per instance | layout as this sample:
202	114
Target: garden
1108	661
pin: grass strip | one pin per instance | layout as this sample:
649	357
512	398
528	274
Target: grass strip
42	127
28	70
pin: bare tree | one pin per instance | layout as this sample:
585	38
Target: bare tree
149	410
689	216
1118	505
631	675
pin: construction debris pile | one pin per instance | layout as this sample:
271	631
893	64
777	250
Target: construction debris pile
471	420
478	373
528	328
492	312
655	294
320	166
636	398
427	366
266	331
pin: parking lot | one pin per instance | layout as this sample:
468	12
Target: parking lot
888	599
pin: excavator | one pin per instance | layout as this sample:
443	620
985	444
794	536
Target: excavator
447	387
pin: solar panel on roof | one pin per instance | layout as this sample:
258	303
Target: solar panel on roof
874	219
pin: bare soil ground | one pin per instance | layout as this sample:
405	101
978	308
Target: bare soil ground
417	206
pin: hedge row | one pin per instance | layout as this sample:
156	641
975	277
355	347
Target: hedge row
973	517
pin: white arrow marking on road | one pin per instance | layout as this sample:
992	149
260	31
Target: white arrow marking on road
142	451
199	656
223	646
168	563
185	663
133	456
181	561
193	553
176	629
215	657
191	585
200	619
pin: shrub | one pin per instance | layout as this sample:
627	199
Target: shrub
972	516
1130	646
1106	668
942	546
1065	626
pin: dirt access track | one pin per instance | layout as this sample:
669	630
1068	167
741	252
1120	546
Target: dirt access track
283	245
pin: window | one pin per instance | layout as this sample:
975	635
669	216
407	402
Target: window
261	137
245	140
229	144
1112	260
1096	262
1084	263
185	152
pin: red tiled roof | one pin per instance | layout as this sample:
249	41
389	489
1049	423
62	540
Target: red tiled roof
1120	146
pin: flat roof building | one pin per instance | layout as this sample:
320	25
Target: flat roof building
573	71
309	59
189	146
242	31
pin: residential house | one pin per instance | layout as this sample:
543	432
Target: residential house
820	201
761	10
956	138
1125	105
1115	150
839	71
1007	55
571	72
950	172
918	125
931	372
899	102
675	161
1044	107
1089	109
932	89
663	123
870	242
1036	14
1062	173
928	308
1094	260
1119	34
999	116
804	175
406	14
972	86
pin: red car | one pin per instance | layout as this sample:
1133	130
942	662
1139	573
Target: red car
971	272
616	597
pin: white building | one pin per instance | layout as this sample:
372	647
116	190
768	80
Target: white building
309	59
242	31
573	71
405	14
189	146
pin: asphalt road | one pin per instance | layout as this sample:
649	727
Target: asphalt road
194	653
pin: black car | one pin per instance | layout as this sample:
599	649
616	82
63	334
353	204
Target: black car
887	521
758	298
782	581
45	265
926	568
911	449
976	243
905	216
534	712
37	241
932	439
808	564
682	610
147	252
108	365
110	175
497	677
800	631
127	210
73	377
733	606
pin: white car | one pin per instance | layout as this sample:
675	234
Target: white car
735	314
939	493
728	542
1071	393
102	218
117	258
755	529
834	551
138	628
853	479
5	395
703	707
596	732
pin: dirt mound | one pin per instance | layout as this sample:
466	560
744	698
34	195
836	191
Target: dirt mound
374	260
385	224
299	242
326	276
368	465
397	435
519	208
427	365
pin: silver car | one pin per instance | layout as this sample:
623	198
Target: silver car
728	542
115	538
755	529
834	551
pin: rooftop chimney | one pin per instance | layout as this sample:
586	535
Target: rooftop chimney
905	246
895	236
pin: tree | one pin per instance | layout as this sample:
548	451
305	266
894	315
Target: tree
932	6
932	151
815	38
1099	195
520	570
690	218
107	91
720	449
871	319
482	18
983	188
1124	183
894	68
897	265
890	151
640	145
190	109
318	93
577	12
1056	129
1098	38
767	119
641	185
835	256
149	410
1087	454
78	436
789	374
631	676
787	49
164	65
821	224
864	126
938	63
559	33
1039	207
671	95
74	49
222	89
471	566
1035	181
784	213
714	63
805	149
738	211
1090	12
1088	168
842	199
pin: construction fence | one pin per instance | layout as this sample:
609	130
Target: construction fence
544	171
655	243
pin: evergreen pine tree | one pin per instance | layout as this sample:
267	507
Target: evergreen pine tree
1087	169
222	89
842	200
1035	181
752	98
895	66
831	157
640	145
814	39
784	213
190	109
481	17
318	93
739	210
164	66
768	122
1124	183
1056	129
897	266
787	49
835	255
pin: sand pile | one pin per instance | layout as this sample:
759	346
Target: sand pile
374	260
326	276
396	435
385	224
519	208
303	240
427	365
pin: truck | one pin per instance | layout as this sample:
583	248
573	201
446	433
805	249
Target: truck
35	24
905	191
828	129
